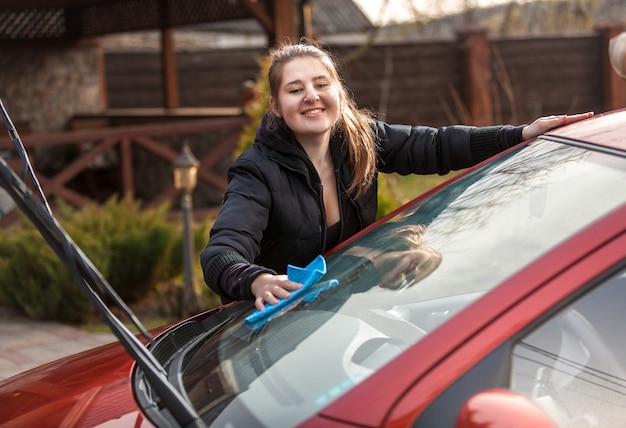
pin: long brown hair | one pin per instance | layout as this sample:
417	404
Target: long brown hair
356	125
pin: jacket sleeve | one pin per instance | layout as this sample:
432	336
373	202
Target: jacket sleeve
425	150
236	235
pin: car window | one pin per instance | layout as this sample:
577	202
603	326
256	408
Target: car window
573	365
463	241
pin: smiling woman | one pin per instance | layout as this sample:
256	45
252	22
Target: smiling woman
309	181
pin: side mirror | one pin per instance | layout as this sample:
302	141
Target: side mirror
499	408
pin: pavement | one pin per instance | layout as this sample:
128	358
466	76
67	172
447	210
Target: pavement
25	343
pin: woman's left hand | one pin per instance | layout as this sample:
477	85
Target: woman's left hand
546	123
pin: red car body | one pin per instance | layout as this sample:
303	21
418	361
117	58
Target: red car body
93	388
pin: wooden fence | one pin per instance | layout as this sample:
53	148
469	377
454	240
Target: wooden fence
471	80
133	160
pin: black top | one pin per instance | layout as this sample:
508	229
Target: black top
333	235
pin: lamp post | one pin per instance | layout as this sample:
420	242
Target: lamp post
185	178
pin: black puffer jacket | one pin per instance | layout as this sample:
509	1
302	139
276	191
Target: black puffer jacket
273	213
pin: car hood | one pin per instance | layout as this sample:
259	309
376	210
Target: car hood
91	388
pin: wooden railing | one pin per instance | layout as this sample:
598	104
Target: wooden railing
123	138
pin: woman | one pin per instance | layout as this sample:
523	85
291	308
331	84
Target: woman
309	181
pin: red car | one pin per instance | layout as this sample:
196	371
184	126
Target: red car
497	297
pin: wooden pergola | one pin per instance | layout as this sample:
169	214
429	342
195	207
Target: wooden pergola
53	21
50	23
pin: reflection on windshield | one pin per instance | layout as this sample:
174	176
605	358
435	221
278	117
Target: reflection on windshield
399	282
396	261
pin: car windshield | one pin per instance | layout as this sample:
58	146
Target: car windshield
399	282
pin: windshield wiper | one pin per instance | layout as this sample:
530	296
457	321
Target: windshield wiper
89	279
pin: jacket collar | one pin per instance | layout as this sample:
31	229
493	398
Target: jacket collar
278	138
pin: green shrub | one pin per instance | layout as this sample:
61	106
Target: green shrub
255	108
130	246
134	261
134	249
33	279
390	195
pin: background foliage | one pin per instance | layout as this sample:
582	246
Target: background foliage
139	252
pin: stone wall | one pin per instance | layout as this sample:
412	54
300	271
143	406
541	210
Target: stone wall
42	87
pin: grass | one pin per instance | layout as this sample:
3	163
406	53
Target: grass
411	186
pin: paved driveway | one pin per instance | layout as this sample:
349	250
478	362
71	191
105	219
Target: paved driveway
25	344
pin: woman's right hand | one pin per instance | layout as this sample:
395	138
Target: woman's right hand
268	288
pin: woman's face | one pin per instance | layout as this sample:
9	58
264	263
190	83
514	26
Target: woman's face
308	99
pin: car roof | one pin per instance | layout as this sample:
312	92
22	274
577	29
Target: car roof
605	130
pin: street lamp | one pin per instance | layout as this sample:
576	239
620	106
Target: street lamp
185	178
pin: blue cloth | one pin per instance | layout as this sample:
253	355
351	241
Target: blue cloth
307	277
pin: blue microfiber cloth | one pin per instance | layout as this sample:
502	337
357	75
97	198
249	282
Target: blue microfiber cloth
307	277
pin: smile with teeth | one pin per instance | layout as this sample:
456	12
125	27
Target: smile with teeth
313	111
